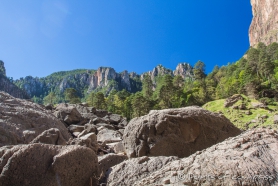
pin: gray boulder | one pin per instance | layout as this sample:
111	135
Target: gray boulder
21	121
132	170
75	128
247	159
232	100
48	165
51	136
176	132
88	140
117	147
115	119
68	113
107	161
109	136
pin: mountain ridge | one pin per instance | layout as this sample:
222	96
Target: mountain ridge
103	79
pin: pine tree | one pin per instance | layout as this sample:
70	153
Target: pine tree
50	98
71	96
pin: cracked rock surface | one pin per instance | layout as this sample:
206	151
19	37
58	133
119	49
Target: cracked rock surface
47	165
176	132
21	121
248	159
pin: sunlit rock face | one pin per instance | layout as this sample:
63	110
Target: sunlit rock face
264	26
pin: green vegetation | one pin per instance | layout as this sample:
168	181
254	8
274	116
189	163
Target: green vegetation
245	118
71	96
254	75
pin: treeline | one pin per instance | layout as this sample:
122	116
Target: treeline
255	74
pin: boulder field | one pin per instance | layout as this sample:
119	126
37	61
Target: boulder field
74	144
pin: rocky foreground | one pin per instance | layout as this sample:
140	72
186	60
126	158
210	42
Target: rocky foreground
80	145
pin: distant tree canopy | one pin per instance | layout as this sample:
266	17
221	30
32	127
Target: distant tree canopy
253	74
50	98
71	96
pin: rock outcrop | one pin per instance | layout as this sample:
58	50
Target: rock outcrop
94	80
8	86
135	169
51	136
48	165
176	132
264	26
184	70
2	68
21	121
247	159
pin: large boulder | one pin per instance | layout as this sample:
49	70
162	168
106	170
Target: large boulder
48	165
88	140
109	136
247	159
132	170
232	100
107	161
68	113
21	121
50	136
115	119
176	132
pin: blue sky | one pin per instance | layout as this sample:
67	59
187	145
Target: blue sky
41	37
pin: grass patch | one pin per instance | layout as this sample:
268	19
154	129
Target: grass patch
248	118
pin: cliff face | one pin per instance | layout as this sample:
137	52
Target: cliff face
7	85
183	69
2	68
105	79
264	26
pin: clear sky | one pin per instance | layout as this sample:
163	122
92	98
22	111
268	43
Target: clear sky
39	37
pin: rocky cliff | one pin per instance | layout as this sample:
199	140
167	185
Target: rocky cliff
264	26
104	79
2	68
7	85
183	69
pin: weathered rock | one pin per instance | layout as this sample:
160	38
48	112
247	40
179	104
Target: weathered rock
247	159
108	126
109	136
264	26
51	136
117	147
101	113
7	86
75	128
21	121
258	105
107	161
68	113
88	140
115	119
135	169
90	128
185	70
81	108
232	100
48	165
88	116
100	120
275	119
176	132
123	122
49	107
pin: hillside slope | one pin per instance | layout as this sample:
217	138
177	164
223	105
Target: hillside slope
245	112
